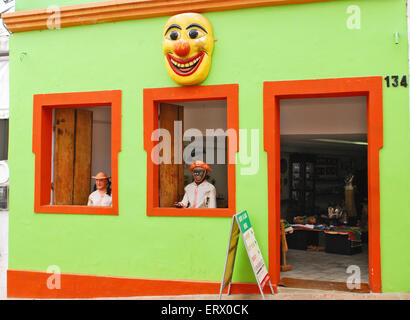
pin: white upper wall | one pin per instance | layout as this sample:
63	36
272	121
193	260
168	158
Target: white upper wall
4	33
4	61
323	116
4	87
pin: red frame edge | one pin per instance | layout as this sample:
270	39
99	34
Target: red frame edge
43	104
154	96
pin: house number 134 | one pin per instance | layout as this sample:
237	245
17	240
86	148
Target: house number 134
394	81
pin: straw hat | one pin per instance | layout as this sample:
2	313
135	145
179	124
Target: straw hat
100	176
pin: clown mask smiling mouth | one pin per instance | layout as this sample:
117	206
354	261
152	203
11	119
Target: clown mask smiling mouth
185	67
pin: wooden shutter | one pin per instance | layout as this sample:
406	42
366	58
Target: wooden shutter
64	156
171	176
82	159
72	156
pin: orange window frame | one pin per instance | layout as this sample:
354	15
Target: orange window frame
152	99
42	146
372	88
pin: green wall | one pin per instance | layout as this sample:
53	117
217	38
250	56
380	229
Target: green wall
254	45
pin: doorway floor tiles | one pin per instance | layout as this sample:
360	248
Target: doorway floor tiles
320	265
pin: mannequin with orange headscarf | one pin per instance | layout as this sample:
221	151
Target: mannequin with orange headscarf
200	193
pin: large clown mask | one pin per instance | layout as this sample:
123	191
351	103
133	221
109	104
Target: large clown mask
188	44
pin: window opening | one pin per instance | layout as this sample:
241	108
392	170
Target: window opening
81	149
197	131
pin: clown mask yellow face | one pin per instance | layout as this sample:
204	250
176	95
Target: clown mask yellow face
188	44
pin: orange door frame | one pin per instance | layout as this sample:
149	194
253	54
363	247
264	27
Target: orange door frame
273	92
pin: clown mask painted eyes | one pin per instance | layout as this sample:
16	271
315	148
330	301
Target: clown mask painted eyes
187	45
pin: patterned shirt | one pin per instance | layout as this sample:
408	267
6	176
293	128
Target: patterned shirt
99	200
199	196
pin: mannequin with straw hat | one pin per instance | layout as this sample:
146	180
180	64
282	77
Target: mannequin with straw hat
102	195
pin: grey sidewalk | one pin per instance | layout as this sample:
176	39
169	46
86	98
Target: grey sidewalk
288	294
283	294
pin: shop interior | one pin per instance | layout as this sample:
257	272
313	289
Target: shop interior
323	188
201	126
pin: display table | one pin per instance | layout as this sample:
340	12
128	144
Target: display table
302	238
341	244
343	240
340	240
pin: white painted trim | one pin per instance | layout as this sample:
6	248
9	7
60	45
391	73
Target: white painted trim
4	44
4	87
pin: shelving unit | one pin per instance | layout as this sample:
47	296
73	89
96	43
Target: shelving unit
329	184
302	183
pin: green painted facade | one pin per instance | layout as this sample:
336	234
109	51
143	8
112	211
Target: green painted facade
291	42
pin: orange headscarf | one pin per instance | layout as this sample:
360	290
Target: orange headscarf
199	163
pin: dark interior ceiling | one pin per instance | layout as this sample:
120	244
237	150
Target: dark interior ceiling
309	144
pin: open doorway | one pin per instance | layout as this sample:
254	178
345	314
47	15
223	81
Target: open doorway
324	198
276	91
